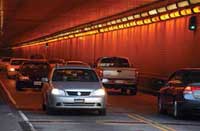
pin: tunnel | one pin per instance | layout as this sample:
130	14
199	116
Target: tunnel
154	36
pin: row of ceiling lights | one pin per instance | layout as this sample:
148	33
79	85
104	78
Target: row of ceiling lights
171	11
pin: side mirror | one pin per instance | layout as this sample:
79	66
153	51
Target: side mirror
44	80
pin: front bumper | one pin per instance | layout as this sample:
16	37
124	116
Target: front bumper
69	102
29	84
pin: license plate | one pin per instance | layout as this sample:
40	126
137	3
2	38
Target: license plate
119	81
37	83
79	100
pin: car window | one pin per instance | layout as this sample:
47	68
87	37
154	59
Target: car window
114	62
17	62
192	77
78	75
36	67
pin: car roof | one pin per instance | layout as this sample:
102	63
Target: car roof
36	61
189	69
19	59
72	67
104	57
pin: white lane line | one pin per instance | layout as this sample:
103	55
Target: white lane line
8	94
26	120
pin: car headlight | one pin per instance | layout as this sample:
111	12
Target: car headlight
12	69
105	80
58	92
99	92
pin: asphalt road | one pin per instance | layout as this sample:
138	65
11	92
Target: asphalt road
125	113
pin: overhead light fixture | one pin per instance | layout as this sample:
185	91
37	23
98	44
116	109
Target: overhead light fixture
186	11
196	9
145	14
137	16
164	17
172	7
194	1
162	10
183	3
130	17
153	12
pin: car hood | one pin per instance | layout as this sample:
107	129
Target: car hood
73	86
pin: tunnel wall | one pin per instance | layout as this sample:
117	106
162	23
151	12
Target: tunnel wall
155	49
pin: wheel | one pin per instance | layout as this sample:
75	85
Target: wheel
176	110
133	91
102	112
18	88
49	110
161	109
43	107
123	91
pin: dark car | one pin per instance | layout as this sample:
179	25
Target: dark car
181	93
31	73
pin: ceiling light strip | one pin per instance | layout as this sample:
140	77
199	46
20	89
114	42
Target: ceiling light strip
154	15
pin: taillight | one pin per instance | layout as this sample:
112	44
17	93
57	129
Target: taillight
191	89
100	72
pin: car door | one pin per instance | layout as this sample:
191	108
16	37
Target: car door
175	83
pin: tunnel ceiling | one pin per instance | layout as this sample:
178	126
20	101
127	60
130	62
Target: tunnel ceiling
21	16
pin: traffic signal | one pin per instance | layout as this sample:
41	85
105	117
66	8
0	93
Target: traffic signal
193	23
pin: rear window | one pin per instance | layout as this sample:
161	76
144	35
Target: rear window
35	67
76	75
17	62
5	59
192	77
114	62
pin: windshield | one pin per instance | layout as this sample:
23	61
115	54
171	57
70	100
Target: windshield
17	62
193	77
78	75
31	68
114	62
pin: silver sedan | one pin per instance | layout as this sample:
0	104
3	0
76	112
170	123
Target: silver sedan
71	87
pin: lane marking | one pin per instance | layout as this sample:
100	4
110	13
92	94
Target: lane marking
27	120
151	122
8	94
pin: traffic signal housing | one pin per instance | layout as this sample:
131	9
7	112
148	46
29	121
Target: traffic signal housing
193	23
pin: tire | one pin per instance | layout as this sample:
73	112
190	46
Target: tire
133	91
176	110
43	107
18	87
102	112
49	111
123	91
161	109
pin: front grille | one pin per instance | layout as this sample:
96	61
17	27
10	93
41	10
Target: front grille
76	93
79	104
